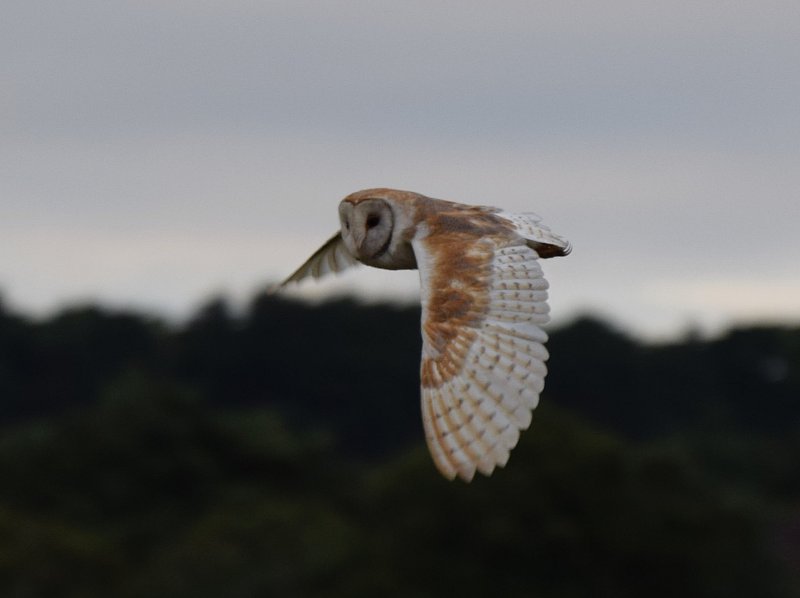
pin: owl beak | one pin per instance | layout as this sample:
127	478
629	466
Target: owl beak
359	238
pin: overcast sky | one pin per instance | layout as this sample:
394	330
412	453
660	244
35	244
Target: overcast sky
155	152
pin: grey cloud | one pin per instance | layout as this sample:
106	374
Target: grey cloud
520	73
661	138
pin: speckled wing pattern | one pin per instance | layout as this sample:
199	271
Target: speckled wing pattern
331	257
483	358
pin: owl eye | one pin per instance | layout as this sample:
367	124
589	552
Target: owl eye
373	220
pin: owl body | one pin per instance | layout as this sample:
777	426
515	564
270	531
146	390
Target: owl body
483	301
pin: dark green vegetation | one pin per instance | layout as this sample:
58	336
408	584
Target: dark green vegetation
280	453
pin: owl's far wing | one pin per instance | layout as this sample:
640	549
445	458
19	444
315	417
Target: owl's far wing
539	236
483	354
331	257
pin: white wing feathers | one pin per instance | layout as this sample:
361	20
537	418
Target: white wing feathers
529	226
331	257
472	418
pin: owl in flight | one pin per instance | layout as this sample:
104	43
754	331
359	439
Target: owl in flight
483	301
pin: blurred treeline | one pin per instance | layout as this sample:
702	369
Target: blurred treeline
280	452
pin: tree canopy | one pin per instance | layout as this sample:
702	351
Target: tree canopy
279	452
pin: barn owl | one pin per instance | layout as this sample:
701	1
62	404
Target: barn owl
483	301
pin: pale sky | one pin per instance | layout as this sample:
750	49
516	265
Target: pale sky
153	153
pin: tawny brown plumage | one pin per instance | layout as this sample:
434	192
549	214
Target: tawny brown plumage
483	301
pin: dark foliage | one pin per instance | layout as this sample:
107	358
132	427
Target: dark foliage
280	452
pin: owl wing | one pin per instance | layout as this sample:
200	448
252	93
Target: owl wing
539	236
483	357
333	256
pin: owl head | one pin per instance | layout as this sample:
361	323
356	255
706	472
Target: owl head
367	227
376	226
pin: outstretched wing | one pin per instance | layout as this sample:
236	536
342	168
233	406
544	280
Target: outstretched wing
331	257
483	357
